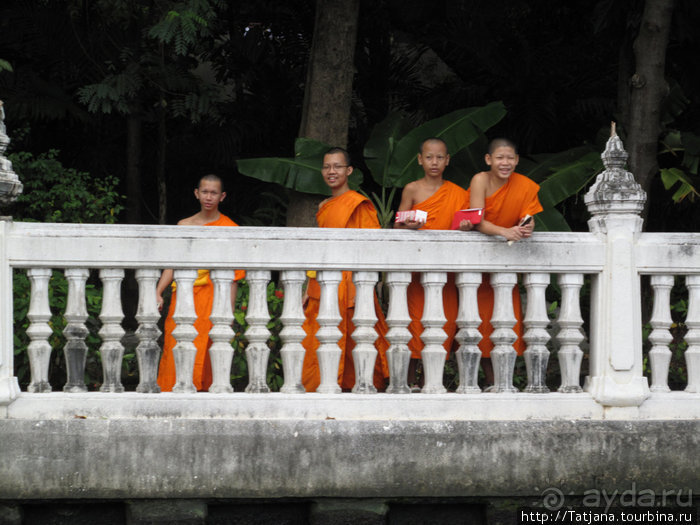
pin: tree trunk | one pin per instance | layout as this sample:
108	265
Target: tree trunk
160	166
133	169
647	90
328	91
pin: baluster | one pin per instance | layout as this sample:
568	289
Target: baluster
257	352
111	315
660	336
39	315
398	354
221	333
536	335
292	333
75	331
328	334
570	336
692	337
468	336
364	354
433	336
503	320
147	315
184	351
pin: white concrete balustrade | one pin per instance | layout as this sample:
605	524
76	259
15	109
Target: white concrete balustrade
562	258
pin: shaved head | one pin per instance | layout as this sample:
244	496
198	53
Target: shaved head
502	143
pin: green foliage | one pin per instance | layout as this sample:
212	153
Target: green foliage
5	65
301	173
275	302
683	174
54	193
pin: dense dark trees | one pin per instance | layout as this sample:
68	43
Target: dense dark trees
158	92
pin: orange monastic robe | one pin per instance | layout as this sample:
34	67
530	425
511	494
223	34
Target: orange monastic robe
203	301
441	207
510	203
349	210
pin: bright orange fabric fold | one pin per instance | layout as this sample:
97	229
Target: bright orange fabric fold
203	301
349	210
441	207
510	203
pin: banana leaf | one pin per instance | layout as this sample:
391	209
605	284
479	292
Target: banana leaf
380	147
569	179
301	173
458	129
671	176
539	167
551	220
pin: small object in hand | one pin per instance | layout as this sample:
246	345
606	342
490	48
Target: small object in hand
472	215
411	215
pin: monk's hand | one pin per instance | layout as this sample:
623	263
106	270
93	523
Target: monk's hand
413	225
527	229
159	302
512	234
305	299
465	225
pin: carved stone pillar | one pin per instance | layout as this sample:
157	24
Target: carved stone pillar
660	336
398	355
570	336
468	336
257	352
503	320
184	351
536	335
692	353
433	336
75	331
615	202
221	333
39	315
292	333
111	315
328	334
147	315
364	354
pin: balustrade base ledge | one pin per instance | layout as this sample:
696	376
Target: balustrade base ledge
218	458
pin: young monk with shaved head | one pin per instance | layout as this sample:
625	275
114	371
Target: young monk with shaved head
507	198
210	194
441	199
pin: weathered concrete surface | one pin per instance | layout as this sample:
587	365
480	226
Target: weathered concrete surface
83	458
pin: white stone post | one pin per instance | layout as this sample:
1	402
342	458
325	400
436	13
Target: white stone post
75	350
468	336
398	355
184	351
433	336
503	321
148	351
292	333
258	315
536	335
111	315
660	336
328	334
9	387
221	333
39	315
364	355
692	337
569	335
615	202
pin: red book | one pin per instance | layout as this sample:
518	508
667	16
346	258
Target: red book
472	214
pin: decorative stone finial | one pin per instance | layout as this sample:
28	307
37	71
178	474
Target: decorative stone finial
10	186
615	191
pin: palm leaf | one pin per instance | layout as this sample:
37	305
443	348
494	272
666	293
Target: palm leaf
568	179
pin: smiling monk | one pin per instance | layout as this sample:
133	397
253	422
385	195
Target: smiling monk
345	208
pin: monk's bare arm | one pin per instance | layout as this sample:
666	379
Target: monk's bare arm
165	279
477	199
234	292
408	196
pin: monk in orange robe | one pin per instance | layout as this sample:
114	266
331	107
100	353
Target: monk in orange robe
441	199
507	198
209	193
344	209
